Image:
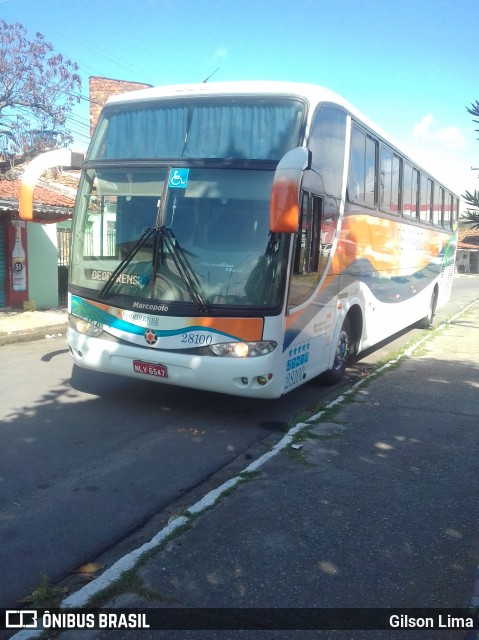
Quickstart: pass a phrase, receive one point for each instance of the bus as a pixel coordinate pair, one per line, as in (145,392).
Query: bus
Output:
(246,237)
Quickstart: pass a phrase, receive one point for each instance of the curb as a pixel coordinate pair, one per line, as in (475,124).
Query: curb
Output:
(38,333)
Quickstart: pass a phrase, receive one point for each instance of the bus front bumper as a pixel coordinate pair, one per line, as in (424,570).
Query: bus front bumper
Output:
(255,377)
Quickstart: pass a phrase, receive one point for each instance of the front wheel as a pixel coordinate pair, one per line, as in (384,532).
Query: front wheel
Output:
(342,356)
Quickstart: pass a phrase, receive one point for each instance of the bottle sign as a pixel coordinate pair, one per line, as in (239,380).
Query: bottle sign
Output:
(19,276)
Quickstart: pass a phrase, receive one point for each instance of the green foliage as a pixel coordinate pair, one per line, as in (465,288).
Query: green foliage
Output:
(472,215)
(474,111)
(472,199)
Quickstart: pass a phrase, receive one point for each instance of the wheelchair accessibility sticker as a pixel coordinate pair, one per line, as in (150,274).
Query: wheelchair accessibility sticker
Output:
(178,178)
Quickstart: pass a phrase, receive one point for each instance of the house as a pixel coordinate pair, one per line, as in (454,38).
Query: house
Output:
(28,251)
(467,258)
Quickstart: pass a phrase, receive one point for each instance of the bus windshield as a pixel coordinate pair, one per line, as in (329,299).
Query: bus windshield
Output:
(201,239)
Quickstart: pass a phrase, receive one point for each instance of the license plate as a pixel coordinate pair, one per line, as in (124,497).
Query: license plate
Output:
(150,369)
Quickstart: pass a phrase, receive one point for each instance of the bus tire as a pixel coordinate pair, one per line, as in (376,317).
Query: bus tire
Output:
(344,348)
(426,322)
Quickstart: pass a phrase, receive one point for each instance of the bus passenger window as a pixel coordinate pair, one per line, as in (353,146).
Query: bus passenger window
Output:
(448,220)
(396,184)
(386,179)
(410,190)
(426,199)
(362,169)
(389,185)
(438,205)
(455,212)
(327,142)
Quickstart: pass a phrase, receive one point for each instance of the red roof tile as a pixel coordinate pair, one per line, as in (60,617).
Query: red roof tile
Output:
(42,196)
(468,239)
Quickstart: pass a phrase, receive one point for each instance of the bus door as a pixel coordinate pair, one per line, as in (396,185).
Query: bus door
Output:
(311,250)
(308,239)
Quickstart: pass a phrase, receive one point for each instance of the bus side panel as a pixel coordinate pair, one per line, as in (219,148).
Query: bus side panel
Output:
(387,268)
(396,266)
(448,266)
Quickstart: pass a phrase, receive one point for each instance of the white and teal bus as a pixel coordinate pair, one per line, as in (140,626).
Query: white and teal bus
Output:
(246,237)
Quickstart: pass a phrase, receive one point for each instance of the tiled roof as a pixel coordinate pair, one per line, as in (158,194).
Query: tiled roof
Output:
(468,239)
(46,198)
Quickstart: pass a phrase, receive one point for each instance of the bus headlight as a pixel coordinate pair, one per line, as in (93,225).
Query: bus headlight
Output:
(243,349)
(83,326)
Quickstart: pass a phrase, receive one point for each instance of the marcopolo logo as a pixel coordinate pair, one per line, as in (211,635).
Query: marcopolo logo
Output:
(149,307)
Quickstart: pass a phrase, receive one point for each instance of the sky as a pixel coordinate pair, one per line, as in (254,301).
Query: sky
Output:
(409,65)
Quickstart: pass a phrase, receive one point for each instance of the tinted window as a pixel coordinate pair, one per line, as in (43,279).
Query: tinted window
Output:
(410,190)
(362,171)
(389,184)
(327,146)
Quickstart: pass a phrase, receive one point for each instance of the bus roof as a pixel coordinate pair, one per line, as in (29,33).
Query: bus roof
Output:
(312,93)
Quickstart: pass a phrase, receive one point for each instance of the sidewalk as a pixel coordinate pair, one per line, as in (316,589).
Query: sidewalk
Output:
(371,503)
(21,326)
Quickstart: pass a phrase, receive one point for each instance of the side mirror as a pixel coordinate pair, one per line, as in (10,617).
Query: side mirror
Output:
(59,158)
(284,207)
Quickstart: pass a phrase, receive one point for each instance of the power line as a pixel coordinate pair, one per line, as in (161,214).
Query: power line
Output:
(119,62)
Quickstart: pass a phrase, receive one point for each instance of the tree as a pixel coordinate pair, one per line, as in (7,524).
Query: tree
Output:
(38,89)
(472,215)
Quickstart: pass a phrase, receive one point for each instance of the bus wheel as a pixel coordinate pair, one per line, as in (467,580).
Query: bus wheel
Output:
(426,322)
(341,359)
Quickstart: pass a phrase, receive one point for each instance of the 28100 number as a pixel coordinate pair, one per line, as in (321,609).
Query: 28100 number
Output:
(199,339)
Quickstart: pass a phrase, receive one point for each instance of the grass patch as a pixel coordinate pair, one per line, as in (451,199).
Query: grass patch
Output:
(45,595)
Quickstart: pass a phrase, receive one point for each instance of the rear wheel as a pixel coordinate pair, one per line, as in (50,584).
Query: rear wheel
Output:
(341,359)
(426,322)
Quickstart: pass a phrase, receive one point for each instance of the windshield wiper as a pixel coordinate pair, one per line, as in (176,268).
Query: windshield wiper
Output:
(139,244)
(184,268)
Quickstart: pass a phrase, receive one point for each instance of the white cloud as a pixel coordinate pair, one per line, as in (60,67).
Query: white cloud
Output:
(448,137)
(220,53)
(446,152)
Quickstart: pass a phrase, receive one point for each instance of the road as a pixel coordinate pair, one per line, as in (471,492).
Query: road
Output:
(88,460)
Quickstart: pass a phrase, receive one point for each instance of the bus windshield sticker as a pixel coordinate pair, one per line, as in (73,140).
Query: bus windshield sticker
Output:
(178,178)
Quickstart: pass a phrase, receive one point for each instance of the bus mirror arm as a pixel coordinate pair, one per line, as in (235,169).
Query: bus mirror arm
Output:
(285,193)
(65,158)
